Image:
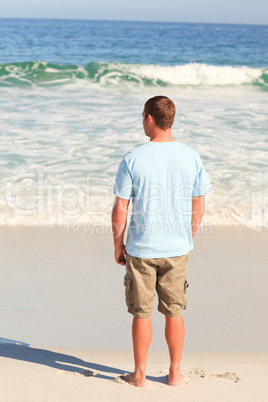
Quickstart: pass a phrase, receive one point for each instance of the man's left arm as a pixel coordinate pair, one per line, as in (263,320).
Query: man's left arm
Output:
(119,222)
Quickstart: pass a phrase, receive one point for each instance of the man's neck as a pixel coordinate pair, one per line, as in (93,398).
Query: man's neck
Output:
(161,136)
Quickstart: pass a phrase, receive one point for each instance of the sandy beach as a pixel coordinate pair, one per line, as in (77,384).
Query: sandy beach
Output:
(66,334)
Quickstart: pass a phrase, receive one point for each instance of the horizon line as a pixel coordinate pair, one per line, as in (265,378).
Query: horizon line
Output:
(140,21)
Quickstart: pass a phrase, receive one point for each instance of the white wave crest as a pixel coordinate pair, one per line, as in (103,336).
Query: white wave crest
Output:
(192,74)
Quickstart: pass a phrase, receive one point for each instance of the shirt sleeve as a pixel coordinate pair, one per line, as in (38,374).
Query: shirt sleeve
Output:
(123,181)
(202,184)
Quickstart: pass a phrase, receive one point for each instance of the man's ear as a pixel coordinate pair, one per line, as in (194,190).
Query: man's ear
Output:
(150,119)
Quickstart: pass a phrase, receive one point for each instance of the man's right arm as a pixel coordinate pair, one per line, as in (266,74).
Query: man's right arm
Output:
(119,222)
(198,206)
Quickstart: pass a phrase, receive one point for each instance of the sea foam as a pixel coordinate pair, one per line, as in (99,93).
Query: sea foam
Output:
(119,74)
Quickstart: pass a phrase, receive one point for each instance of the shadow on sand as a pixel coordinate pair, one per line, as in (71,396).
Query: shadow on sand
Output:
(22,351)
(12,349)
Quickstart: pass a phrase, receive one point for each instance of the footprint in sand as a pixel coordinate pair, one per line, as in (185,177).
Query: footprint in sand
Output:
(232,377)
(227,376)
(88,373)
(85,373)
(118,380)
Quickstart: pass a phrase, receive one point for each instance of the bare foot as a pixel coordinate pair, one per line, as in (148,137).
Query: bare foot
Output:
(134,379)
(175,378)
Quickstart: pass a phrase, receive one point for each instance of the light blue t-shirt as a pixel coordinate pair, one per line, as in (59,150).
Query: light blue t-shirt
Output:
(161,178)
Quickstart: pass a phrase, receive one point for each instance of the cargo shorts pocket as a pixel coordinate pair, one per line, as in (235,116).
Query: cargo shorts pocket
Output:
(184,298)
(128,291)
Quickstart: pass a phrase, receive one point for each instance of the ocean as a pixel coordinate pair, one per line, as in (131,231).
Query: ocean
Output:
(71,99)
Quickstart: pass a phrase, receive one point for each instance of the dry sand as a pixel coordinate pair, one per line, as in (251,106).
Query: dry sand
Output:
(62,311)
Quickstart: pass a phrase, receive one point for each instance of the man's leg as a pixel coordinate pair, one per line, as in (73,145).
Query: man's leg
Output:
(175,332)
(142,337)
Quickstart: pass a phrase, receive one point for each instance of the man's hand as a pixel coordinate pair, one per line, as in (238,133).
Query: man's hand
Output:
(120,255)
(119,221)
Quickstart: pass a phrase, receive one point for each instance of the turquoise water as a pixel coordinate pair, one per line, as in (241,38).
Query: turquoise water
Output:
(71,97)
(43,74)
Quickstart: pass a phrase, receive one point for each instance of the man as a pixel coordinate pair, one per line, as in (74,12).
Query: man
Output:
(166,181)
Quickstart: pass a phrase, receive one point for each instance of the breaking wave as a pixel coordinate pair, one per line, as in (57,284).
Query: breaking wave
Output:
(38,73)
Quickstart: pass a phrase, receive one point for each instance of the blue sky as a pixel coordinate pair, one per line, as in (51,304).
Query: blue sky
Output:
(221,11)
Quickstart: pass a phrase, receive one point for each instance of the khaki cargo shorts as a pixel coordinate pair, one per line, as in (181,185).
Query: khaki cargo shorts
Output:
(165,275)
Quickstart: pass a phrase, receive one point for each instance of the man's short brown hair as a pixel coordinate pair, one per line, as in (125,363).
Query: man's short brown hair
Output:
(162,109)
